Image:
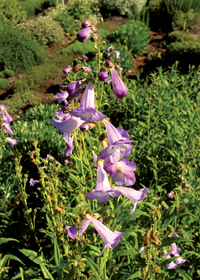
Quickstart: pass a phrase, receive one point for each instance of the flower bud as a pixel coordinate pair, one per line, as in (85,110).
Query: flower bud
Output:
(103,75)
(109,64)
(76,68)
(66,70)
(109,48)
(94,37)
(86,23)
(182,178)
(84,127)
(102,137)
(84,34)
(94,28)
(85,57)
(87,69)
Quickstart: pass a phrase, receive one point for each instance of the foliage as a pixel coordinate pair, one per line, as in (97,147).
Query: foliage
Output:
(87,47)
(69,25)
(30,6)
(43,29)
(184,47)
(83,9)
(48,3)
(20,52)
(7,73)
(3,83)
(133,34)
(182,5)
(124,8)
(11,11)
(183,20)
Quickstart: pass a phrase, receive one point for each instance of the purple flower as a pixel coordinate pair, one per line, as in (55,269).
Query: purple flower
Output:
(108,55)
(87,111)
(12,141)
(170,195)
(67,126)
(174,251)
(94,37)
(103,75)
(74,89)
(66,70)
(175,234)
(133,195)
(62,96)
(125,174)
(32,182)
(95,159)
(73,232)
(84,34)
(87,69)
(119,88)
(62,116)
(70,146)
(86,23)
(84,127)
(102,191)
(109,48)
(119,143)
(110,239)
(85,57)
(6,117)
(120,68)
(182,178)
(117,54)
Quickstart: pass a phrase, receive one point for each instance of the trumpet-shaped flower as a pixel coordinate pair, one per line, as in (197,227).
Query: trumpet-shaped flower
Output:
(103,75)
(125,174)
(73,232)
(68,126)
(74,89)
(119,143)
(12,142)
(86,23)
(87,111)
(174,251)
(84,34)
(32,182)
(110,239)
(117,54)
(119,88)
(62,96)
(70,146)
(102,190)
(133,195)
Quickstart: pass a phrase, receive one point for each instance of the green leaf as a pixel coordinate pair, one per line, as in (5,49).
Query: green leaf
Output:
(137,274)
(32,255)
(46,273)
(94,267)
(169,240)
(57,253)
(184,274)
(4,240)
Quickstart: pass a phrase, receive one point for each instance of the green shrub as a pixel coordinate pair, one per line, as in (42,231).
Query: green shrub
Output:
(126,59)
(3,83)
(20,52)
(86,47)
(30,6)
(48,3)
(123,7)
(180,18)
(69,24)
(133,34)
(12,11)
(185,49)
(7,73)
(83,9)
(183,5)
(43,29)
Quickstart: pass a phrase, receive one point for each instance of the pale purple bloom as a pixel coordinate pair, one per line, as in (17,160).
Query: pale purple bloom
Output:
(86,23)
(62,116)
(6,117)
(70,146)
(119,88)
(117,54)
(95,159)
(174,251)
(87,111)
(85,57)
(66,70)
(62,96)
(73,232)
(170,195)
(108,55)
(67,126)
(8,128)
(120,68)
(109,48)
(84,127)
(142,250)
(119,143)
(175,234)
(74,89)
(94,37)
(32,182)
(87,69)
(13,142)
(103,75)
(110,239)
(102,191)
(133,195)
(125,174)
(84,34)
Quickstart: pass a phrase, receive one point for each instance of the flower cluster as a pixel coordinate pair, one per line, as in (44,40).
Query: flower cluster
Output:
(7,119)
(175,252)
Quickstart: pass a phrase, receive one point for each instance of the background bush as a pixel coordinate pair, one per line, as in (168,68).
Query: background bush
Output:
(12,11)
(69,25)
(30,6)
(20,52)
(7,73)
(123,7)
(133,34)
(3,83)
(188,19)
(48,3)
(43,29)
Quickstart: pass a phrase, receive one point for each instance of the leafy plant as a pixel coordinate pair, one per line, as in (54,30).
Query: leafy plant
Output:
(3,83)
(69,24)
(7,73)
(30,6)
(48,3)
(183,5)
(185,20)
(20,52)
(11,11)
(43,29)
(133,34)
